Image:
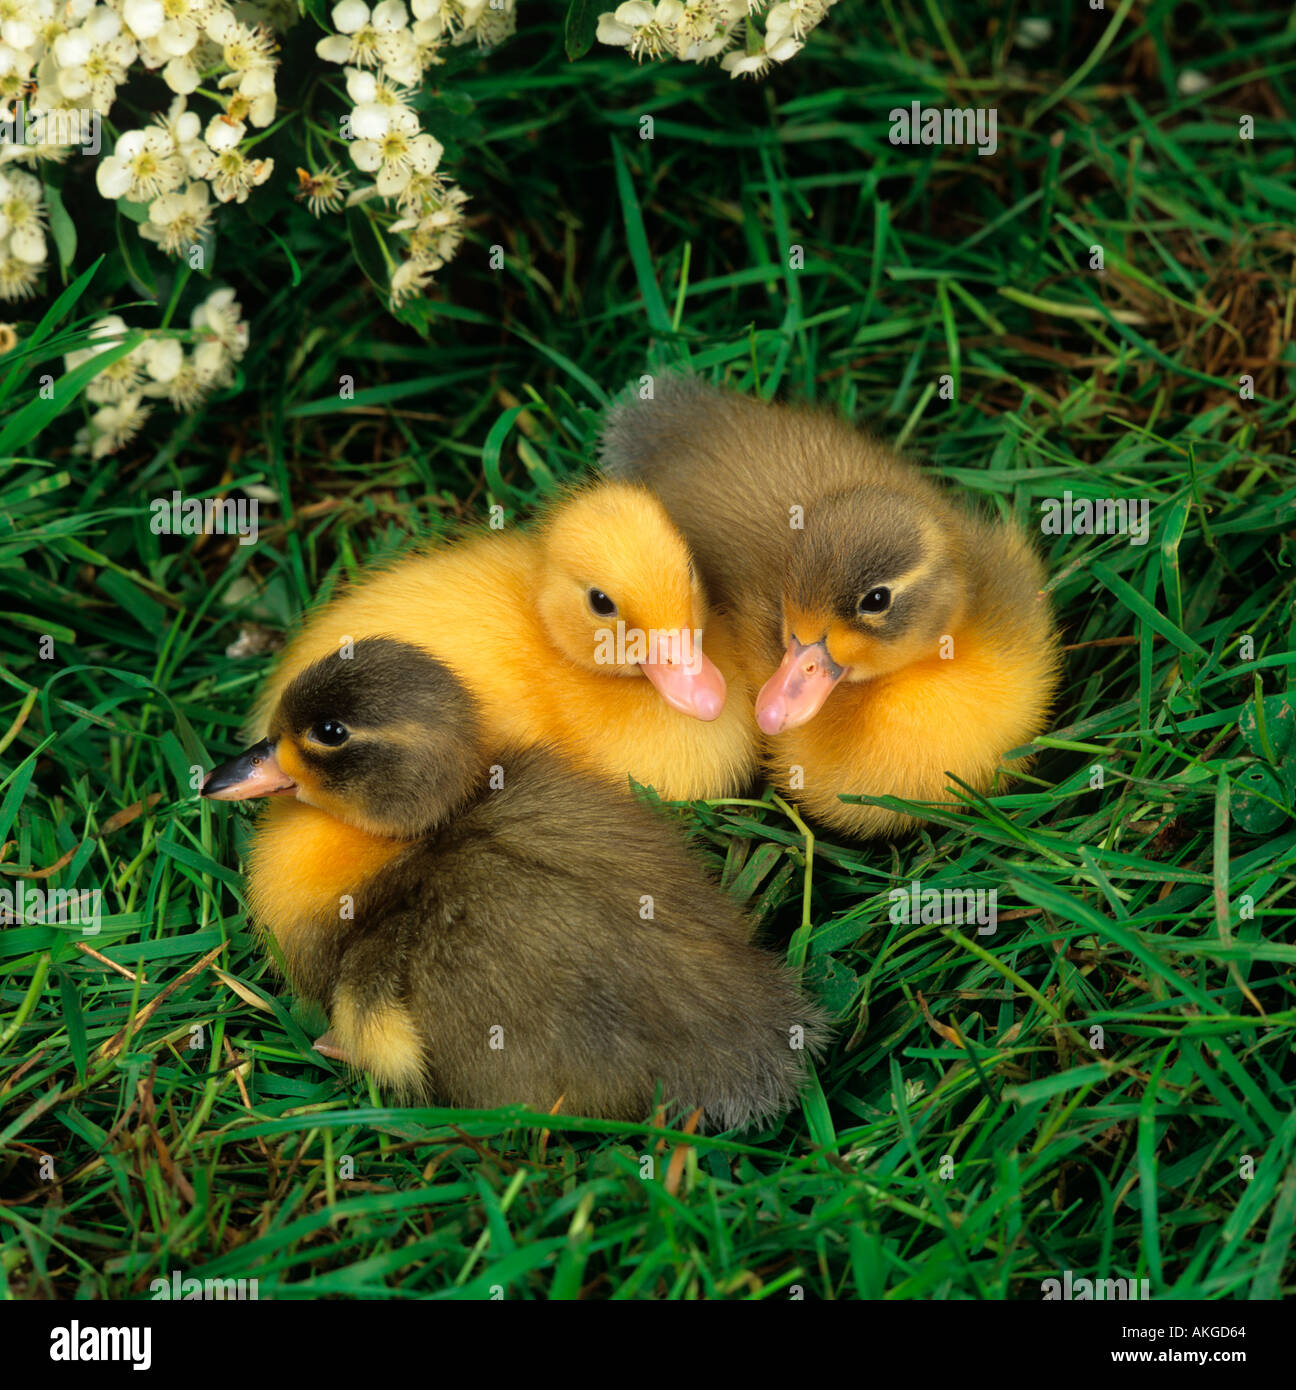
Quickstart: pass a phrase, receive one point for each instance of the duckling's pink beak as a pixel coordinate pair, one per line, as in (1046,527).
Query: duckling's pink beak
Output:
(795,693)
(694,686)
(254,773)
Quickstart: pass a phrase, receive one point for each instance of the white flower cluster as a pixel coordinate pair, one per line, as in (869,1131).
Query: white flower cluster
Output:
(62,63)
(695,30)
(158,367)
(171,164)
(22,233)
(65,60)
(62,55)
(384,56)
(385,37)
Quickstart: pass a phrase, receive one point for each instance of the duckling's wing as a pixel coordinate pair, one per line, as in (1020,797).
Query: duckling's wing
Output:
(619,961)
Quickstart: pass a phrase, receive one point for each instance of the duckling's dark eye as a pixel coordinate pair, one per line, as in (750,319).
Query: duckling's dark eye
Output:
(601,604)
(875,601)
(330,733)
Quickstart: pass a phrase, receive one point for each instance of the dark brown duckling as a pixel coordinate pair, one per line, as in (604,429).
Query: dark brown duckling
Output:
(910,636)
(523,933)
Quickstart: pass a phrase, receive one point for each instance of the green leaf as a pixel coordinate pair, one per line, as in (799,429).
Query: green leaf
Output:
(580,28)
(1288,773)
(1252,798)
(62,229)
(14,796)
(75,1021)
(54,315)
(833,981)
(1143,609)
(136,212)
(25,424)
(491,451)
(136,262)
(194,859)
(637,244)
(148,613)
(418,314)
(1278,193)
(1056,1085)
(367,244)
(1276,726)
(764,859)
(814,1104)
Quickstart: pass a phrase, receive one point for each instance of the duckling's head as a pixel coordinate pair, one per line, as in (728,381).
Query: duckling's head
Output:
(385,739)
(619,595)
(875,579)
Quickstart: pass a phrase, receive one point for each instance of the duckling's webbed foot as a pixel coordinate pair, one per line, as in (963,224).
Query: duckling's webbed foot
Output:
(328,1044)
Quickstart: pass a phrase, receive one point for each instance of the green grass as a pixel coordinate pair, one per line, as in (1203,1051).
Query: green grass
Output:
(965,1138)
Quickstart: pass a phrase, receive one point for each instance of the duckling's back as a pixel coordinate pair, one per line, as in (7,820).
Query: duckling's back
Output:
(556,940)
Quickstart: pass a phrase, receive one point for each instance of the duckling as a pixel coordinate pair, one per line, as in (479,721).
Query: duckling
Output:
(537,938)
(585,632)
(856,574)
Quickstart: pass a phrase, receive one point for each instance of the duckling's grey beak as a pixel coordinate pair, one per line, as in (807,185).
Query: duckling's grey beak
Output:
(254,773)
(795,692)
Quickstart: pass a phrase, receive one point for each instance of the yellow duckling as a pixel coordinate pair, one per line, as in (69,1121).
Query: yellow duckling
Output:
(584,632)
(537,939)
(924,623)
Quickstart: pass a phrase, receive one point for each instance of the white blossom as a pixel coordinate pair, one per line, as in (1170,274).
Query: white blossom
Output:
(368,40)
(90,61)
(223,133)
(118,379)
(144,18)
(378,104)
(697,30)
(113,425)
(740,64)
(231,173)
(161,358)
(177,221)
(219,317)
(647,30)
(22,217)
(324,191)
(18,278)
(408,279)
(1033,33)
(144,164)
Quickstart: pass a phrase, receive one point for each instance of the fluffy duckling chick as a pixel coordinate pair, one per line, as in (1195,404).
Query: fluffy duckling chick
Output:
(584,632)
(497,945)
(855,573)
